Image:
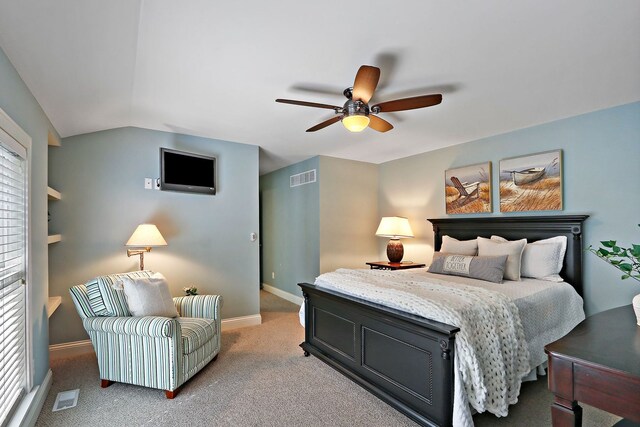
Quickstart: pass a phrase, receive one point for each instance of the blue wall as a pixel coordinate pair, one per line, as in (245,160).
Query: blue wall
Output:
(601,169)
(290,228)
(101,178)
(18,102)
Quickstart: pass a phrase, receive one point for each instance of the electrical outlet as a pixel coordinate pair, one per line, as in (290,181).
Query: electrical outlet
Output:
(273,275)
(148,184)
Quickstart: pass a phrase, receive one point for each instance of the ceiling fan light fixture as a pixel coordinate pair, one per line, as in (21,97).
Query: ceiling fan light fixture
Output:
(355,122)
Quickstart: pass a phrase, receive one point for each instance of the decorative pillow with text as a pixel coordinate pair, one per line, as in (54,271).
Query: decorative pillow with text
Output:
(488,268)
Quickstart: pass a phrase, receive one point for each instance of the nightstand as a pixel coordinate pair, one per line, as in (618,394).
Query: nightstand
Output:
(597,363)
(385,265)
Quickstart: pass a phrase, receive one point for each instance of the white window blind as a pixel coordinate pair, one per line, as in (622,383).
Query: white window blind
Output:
(13,215)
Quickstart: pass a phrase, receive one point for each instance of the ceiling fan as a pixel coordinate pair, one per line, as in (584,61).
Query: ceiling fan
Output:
(355,114)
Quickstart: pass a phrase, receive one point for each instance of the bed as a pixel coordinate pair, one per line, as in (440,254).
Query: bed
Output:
(405,359)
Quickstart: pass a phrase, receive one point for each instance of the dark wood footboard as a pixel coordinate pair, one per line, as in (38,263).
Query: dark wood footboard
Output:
(405,360)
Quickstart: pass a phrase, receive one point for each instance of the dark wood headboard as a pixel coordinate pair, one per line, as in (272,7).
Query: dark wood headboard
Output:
(530,227)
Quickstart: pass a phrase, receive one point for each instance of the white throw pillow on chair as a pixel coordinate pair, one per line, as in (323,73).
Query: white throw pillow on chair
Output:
(149,296)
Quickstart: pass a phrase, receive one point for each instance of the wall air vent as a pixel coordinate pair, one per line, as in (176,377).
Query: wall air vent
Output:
(302,178)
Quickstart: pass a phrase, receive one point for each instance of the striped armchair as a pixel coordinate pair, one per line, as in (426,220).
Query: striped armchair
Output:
(150,351)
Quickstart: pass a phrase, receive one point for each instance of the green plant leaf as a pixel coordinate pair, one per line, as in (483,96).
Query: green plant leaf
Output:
(627,260)
(626,267)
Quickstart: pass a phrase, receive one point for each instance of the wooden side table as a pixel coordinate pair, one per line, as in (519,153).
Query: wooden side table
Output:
(385,265)
(597,363)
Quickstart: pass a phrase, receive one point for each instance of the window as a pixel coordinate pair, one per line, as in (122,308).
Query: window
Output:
(13,239)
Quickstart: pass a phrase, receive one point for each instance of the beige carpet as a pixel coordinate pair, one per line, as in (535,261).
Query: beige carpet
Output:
(259,379)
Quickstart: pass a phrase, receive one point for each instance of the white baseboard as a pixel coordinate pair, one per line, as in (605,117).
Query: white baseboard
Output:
(241,322)
(70,349)
(77,348)
(282,294)
(27,413)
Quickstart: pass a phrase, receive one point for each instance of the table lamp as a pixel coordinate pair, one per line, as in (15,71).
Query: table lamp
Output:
(145,236)
(394,227)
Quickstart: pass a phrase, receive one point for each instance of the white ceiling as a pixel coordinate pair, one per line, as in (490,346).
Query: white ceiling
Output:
(214,68)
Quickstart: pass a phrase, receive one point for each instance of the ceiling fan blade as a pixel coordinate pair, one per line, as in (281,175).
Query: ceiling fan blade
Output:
(365,83)
(307,104)
(324,124)
(317,88)
(409,103)
(381,125)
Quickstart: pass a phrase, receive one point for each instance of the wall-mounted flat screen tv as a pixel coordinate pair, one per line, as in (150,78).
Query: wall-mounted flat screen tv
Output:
(189,172)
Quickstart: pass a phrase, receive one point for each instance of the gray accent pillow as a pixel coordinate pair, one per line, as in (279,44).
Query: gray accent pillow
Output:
(513,249)
(451,245)
(489,268)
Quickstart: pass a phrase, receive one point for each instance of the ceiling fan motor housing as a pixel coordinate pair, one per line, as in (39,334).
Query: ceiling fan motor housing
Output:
(355,108)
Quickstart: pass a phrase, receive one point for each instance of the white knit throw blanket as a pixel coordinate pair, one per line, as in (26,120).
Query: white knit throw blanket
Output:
(491,352)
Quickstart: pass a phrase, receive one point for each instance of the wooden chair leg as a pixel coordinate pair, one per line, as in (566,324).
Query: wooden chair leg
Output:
(171,394)
(105,383)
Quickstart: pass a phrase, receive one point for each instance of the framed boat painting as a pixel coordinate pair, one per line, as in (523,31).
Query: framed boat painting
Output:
(531,183)
(468,189)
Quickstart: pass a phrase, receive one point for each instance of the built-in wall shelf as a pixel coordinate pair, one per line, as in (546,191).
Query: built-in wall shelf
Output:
(53,194)
(53,238)
(52,304)
(53,140)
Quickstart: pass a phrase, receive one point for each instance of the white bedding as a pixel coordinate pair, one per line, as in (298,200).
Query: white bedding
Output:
(544,312)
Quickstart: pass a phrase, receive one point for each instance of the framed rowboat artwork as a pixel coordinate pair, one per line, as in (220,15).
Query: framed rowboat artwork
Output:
(468,189)
(531,183)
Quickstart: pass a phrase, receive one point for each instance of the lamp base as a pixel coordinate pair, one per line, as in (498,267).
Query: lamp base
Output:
(395,250)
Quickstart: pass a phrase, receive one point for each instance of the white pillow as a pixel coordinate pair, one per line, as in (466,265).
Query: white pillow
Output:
(542,259)
(459,247)
(514,249)
(149,296)
(561,242)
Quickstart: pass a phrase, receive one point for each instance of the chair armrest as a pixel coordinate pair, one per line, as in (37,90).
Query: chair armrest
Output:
(202,306)
(148,326)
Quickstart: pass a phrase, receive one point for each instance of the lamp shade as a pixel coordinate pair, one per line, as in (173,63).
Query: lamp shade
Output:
(146,235)
(394,227)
